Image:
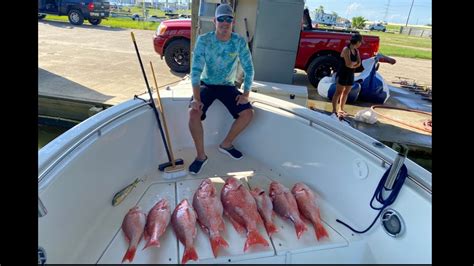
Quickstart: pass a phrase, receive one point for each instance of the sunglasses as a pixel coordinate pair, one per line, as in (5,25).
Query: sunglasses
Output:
(227,19)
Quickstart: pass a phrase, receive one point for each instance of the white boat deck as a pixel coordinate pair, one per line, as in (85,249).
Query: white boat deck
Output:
(251,172)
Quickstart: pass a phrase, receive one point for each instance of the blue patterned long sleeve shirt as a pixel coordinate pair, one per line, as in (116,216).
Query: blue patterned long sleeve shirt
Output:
(215,62)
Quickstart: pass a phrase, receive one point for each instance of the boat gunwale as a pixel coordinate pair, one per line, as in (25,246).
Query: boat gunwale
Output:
(291,108)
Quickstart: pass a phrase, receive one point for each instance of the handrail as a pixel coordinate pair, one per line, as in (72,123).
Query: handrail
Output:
(417,181)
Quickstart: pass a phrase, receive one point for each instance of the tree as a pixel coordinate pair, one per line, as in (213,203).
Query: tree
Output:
(358,22)
(335,14)
(320,9)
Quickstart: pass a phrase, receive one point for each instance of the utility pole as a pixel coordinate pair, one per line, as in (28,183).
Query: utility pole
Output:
(386,11)
(406,24)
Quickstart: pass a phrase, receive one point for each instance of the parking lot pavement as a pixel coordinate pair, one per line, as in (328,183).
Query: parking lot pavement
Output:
(96,63)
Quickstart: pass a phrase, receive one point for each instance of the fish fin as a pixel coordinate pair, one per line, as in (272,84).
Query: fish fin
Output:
(271,228)
(130,254)
(254,238)
(320,230)
(239,228)
(203,227)
(300,228)
(216,242)
(152,243)
(189,254)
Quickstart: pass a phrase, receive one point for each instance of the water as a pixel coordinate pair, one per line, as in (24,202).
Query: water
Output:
(47,133)
(420,155)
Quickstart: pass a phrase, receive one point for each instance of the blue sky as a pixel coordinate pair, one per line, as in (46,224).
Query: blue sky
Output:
(375,9)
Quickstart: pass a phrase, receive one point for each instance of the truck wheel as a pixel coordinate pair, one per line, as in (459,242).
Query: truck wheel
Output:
(177,56)
(41,16)
(75,17)
(95,21)
(321,67)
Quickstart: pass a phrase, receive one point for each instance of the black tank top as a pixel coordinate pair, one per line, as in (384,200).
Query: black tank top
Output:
(353,58)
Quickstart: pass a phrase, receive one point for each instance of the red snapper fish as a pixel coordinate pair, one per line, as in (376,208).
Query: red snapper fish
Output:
(157,220)
(183,220)
(265,208)
(209,211)
(241,208)
(133,226)
(285,205)
(309,208)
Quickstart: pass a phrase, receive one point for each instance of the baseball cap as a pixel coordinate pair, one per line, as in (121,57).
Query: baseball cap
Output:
(224,10)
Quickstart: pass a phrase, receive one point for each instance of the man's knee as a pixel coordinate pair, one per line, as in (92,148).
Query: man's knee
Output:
(247,114)
(195,114)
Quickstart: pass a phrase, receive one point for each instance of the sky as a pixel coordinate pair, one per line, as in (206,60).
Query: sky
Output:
(374,10)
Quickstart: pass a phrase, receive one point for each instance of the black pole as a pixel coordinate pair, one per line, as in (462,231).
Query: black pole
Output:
(152,103)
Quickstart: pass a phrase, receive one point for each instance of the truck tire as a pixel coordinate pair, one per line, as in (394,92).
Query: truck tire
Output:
(177,56)
(95,21)
(41,16)
(321,67)
(75,17)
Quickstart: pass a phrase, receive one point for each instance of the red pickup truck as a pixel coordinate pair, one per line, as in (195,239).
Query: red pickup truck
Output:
(318,49)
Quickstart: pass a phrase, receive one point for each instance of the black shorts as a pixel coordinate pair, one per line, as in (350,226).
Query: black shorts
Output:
(224,93)
(345,78)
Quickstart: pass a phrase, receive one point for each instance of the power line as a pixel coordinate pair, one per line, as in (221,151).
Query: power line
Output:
(386,11)
(406,24)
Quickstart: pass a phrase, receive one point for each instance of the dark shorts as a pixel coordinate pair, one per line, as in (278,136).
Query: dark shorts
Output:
(225,94)
(345,78)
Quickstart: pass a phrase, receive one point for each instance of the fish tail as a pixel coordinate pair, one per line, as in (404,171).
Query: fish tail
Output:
(254,238)
(216,242)
(130,254)
(300,228)
(189,254)
(320,230)
(152,243)
(271,228)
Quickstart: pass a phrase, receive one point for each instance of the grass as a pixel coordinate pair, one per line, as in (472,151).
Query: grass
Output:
(401,39)
(123,22)
(390,50)
(396,27)
(394,44)
(151,11)
(114,22)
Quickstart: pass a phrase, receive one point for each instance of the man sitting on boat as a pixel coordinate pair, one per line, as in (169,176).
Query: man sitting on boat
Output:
(213,72)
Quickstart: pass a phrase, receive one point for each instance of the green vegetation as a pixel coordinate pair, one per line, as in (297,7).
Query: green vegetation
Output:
(396,27)
(358,22)
(114,22)
(126,22)
(394,44)
(404,52)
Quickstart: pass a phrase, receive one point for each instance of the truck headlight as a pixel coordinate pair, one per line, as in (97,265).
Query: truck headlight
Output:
(161,29)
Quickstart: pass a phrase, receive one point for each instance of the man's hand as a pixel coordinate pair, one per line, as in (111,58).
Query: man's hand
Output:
(197,105)
(243,98)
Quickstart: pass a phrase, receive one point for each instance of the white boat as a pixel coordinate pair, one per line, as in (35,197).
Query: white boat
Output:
(81,170)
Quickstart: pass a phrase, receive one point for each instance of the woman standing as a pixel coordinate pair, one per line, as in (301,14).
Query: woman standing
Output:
(350,60)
